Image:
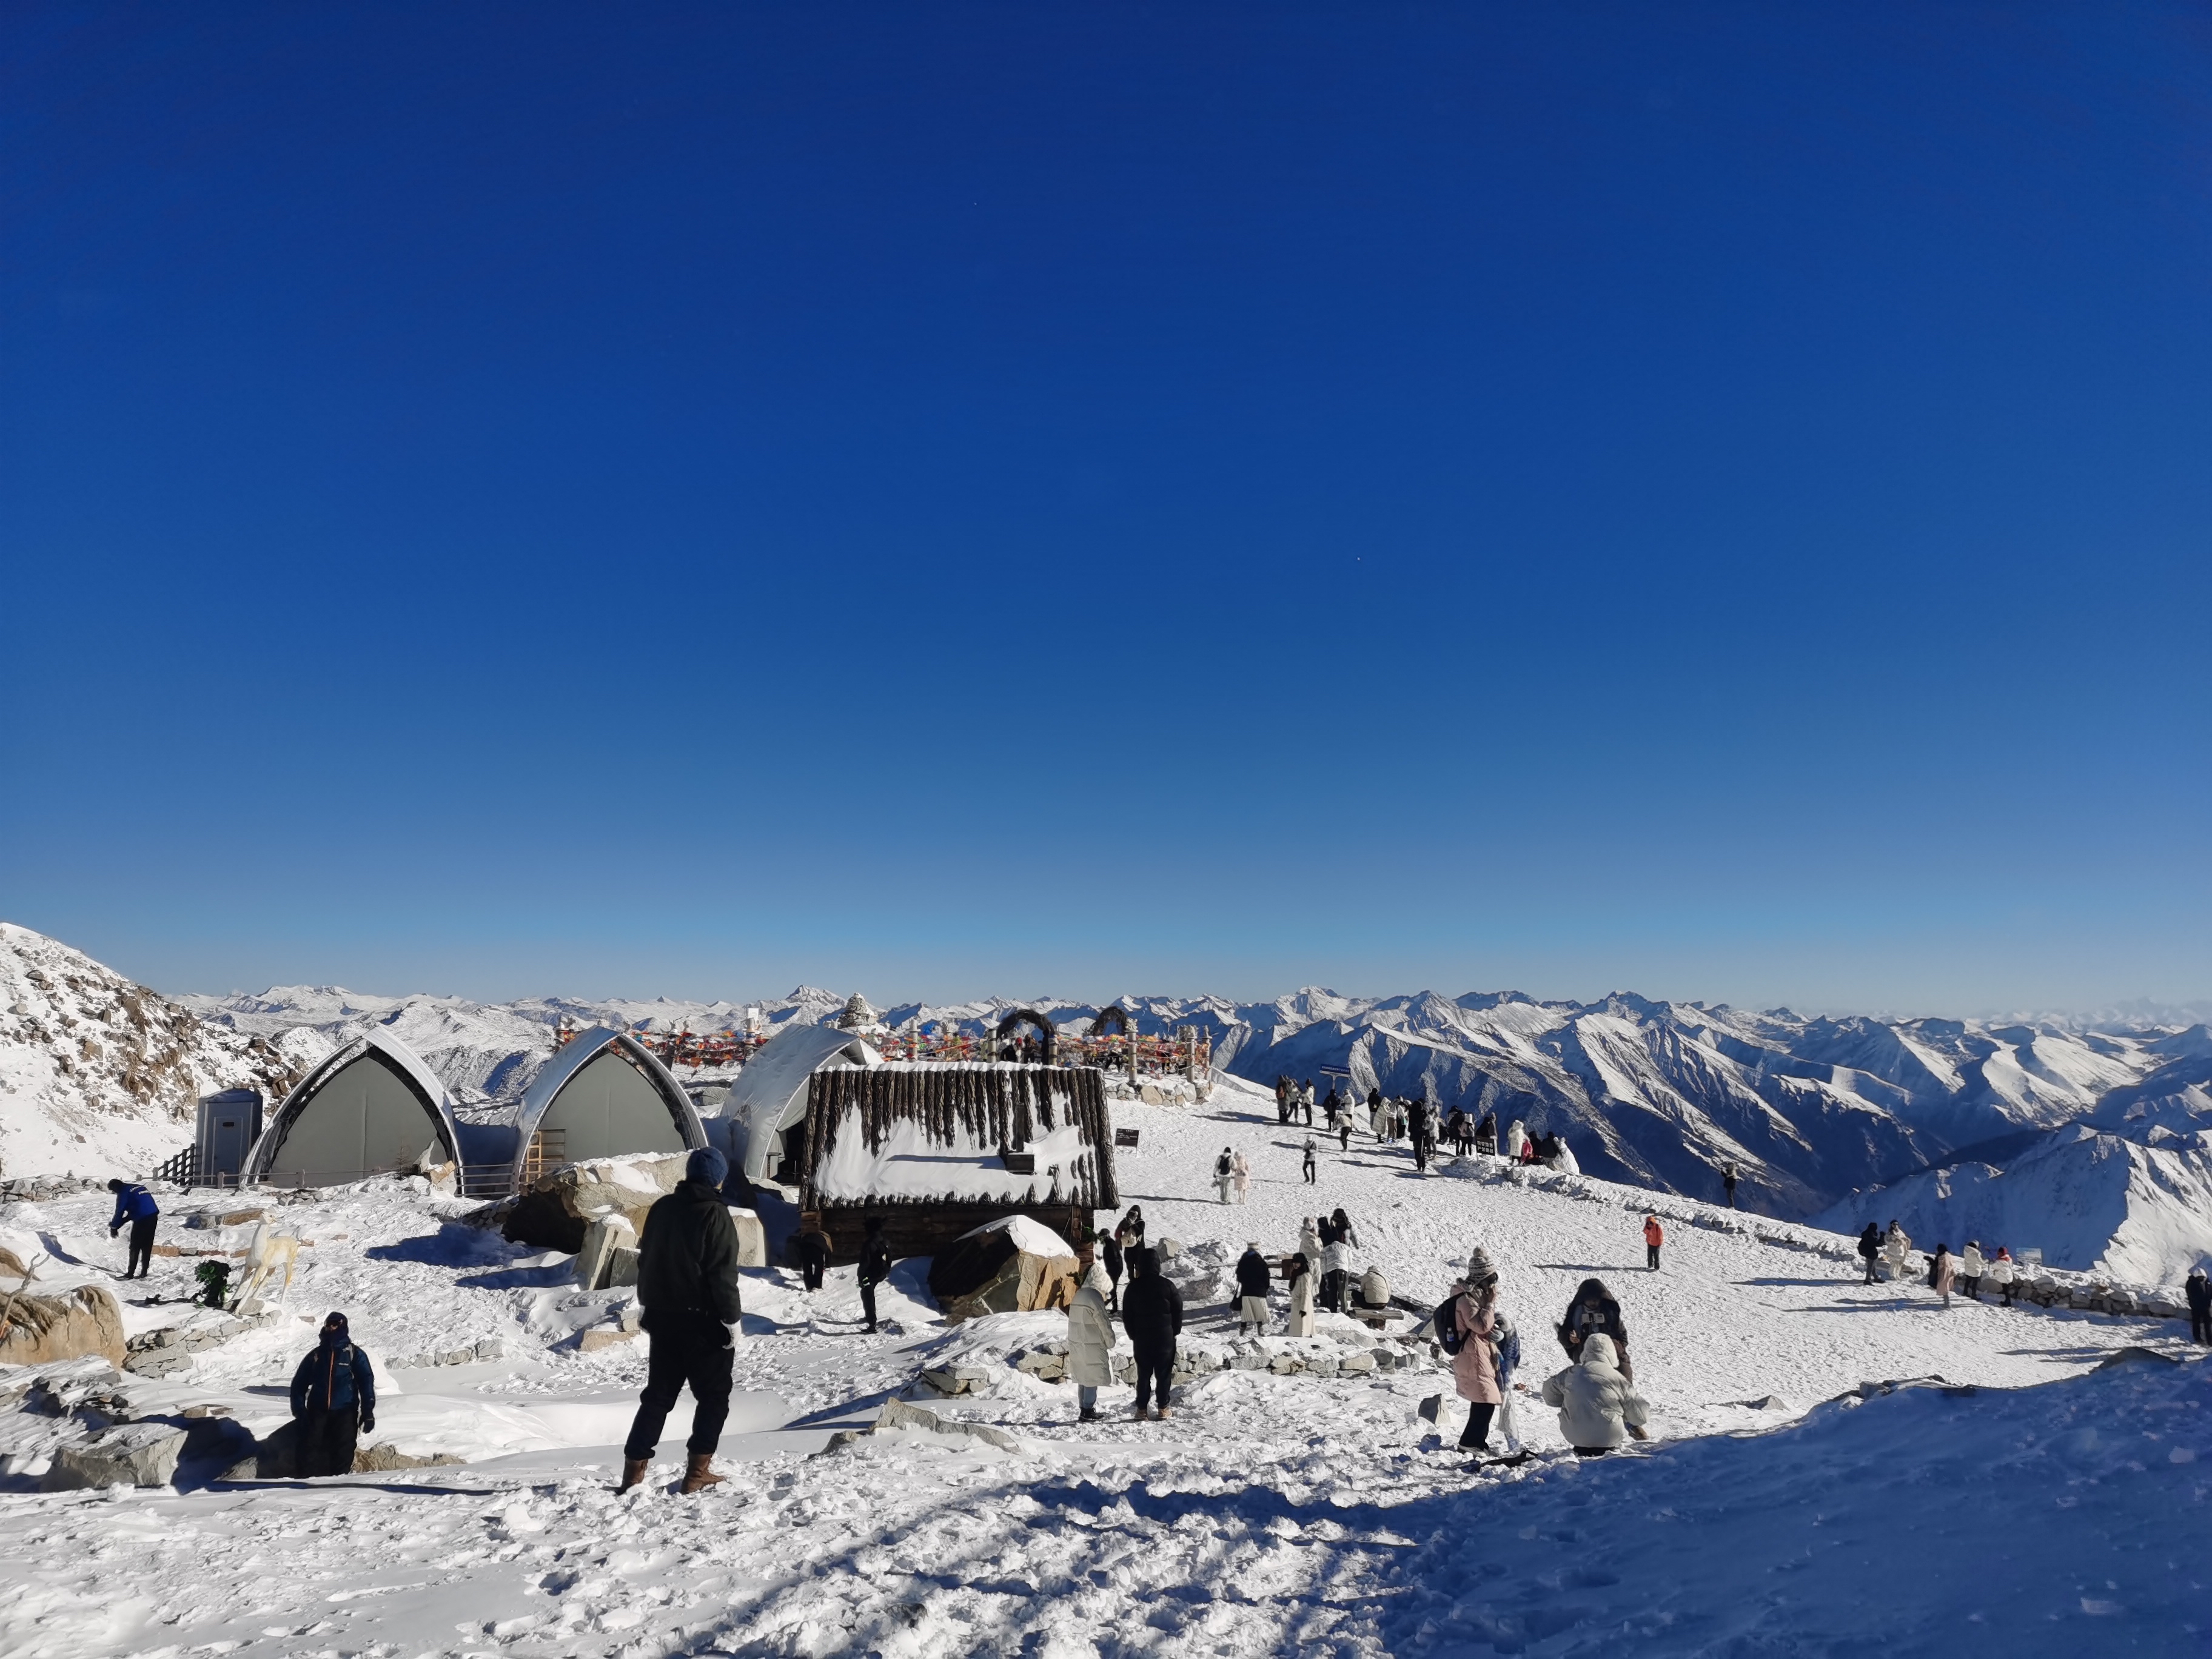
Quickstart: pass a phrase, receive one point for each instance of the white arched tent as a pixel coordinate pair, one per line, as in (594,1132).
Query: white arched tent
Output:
(769,1096)
(371,1108)
(603,1096)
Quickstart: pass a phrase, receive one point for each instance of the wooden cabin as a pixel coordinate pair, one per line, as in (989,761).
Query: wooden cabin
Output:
(935,1150)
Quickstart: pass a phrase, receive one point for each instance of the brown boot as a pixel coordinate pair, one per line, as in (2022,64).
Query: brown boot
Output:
(700,1473)
(634,1470)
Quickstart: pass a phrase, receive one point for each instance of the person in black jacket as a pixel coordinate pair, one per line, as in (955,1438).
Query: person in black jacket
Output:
(1153,1317)
(1110,1251)
(1870,1249)
(812,1249)
(2199,1291)
(875,1268)
(333,1401)
(1594,1310)
(1255,1278)
(687,1283)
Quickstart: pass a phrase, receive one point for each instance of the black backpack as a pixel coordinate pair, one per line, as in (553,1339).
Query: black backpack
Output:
(1445,1323)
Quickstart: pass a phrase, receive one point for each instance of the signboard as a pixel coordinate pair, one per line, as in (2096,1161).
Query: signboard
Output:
(1125,1137)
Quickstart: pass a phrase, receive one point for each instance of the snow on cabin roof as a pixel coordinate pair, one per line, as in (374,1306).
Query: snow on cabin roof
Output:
(925,1133)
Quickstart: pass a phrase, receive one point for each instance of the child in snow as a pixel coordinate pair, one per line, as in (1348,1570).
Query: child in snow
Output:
(1599,1409)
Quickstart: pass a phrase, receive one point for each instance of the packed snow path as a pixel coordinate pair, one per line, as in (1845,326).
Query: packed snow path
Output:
(1273,1513)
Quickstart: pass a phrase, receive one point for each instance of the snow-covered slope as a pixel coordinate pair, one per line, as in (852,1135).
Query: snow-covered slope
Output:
(2036,1506)
(101,1077)
(2088,1200)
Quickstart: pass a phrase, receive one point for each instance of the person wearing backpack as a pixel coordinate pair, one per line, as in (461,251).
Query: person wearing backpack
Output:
(1224,1174)
(333,1401)
(1594,1309)
(1870,1250)
(1474,1318)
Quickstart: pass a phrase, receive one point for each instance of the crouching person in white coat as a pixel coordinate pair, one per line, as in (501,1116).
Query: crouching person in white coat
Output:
(1599,1410)
(1090,1343)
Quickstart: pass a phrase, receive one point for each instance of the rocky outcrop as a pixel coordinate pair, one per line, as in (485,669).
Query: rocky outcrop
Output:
(42,1329)
(553,1214)
(132,1454)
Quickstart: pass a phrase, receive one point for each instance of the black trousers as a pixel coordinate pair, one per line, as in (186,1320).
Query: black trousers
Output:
(1310,1170)
(2200,1327)
(1870,1262)
(811,1273)
(1475,1436)
(326,1442)
(868,1301)
(1154,1362)
(142,1245)
(687,1348)
(1651,1260)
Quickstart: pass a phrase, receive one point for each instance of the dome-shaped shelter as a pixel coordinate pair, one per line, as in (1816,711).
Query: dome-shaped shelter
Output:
(767,1105)
(603,1095)
(371,1108)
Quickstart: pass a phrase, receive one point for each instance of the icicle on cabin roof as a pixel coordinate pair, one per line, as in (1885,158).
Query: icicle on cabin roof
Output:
(934,1134)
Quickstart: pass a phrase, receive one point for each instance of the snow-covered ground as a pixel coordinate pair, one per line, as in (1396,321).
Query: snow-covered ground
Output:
(2028,1506)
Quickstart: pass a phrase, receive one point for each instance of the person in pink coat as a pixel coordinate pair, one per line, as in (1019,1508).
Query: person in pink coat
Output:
(1944,1273)
(1474,1367)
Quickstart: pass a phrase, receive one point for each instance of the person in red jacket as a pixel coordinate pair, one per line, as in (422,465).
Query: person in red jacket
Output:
(1653,1238)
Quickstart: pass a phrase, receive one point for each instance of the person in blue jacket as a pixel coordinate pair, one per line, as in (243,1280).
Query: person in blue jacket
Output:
(333,1401)
(135,1205)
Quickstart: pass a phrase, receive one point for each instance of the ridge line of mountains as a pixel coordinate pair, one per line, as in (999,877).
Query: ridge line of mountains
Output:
(2092,1141)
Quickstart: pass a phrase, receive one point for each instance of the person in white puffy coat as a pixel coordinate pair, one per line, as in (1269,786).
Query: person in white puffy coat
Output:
(1090,1343)
(1335,1275)
(1515,1137)
(1599,1409)
(1240,1171)
(1999,1274)
(1971,1269)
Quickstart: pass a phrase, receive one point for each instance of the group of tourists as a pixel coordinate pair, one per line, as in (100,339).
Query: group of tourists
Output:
(1887,1252)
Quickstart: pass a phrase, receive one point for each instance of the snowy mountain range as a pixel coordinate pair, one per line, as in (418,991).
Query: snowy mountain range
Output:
(1817,1113)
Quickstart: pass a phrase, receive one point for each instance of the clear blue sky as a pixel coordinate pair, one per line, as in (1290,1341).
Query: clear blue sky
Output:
(1079,498)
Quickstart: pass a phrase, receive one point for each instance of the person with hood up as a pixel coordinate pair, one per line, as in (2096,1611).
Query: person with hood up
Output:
(1302,1295)
(1599,1408)
(1340,1224)
(1255,1278)
(1154,1318)
(1971,1267)
(1309,1245)
(1090,1344)
(811,1247)
(1895,1243)
(1240,1170)
(1943,1272)
(687,1285)
(135,1205)
(1224,1174)
(333,1401)
(1516,1136)
(1870,1250)
(1654,1237)
(2198,1290)
(1474,1367)
(1998,1271)
(1308,1166)
(1595,1309)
